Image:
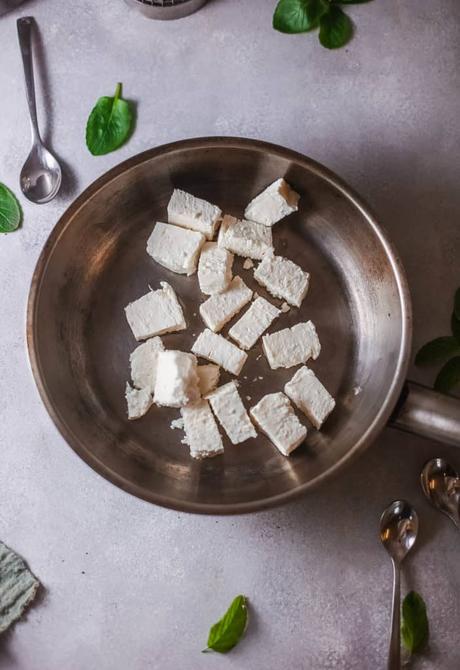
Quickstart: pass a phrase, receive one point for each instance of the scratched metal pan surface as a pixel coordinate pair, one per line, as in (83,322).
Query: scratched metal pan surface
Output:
(95,263)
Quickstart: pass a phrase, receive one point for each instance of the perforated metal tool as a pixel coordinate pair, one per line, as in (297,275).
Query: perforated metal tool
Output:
(166,9)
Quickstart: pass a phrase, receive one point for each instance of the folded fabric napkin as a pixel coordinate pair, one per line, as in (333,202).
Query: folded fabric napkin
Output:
(18,587)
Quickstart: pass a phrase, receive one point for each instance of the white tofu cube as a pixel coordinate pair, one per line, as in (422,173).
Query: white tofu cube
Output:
(221,307)
(254,322)
(277,201)
(177,382)
(291,346)
(194,213)
(202,434)
(276,418)
(143,361)
(214,269)
(306,391)
(156,313)
(217,349)
(231,413)
(175,248)
(139,401)
(283,279)
(209,377)
(245,238)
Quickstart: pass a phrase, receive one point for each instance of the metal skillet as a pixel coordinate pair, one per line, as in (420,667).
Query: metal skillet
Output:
(95,262)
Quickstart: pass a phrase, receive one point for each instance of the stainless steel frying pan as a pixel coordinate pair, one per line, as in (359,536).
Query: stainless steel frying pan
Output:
(94,263)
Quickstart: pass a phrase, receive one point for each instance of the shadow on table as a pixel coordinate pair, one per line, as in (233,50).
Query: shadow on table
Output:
(7,659)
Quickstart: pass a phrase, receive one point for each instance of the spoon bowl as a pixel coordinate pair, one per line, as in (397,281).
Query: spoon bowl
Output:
(41,175)
(441,485)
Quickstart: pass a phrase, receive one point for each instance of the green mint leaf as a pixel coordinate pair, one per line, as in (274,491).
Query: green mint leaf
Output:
(455,326)
(414,623)
(10,211)
(437,351)
(298,16)
(335,28)
(449,376)
(457,304)
(226,633)
(109,124)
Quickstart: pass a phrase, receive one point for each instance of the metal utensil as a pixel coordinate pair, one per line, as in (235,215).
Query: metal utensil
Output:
(166,10)
(441,485)
(41,174)
(95,263)
(398,532)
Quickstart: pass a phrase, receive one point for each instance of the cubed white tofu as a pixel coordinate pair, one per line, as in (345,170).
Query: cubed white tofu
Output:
(143,362)
(231,413)
(156,313)
(245,238)
(254,322)
(306,391)
(209,377)
(276,418)
(201,430)
(176,249)
(221,307)
(217,349)
(277,201)
(283,279)
(139,401)
(291,346)
(177,382)
(194,213)
(214,269)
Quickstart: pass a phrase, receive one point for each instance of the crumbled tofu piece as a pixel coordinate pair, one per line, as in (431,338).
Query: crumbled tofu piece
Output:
(248,264)
(201,432)
(217,349)
(214,269)
(231,413)
(247,330)
(276,418)
(291,346)
(277,201)
(139,402)
(283,279)
(285,307)
(177,424)
(177,382)
(306,391)
(356,390)
(245,238)
(221,307)
(209,377)
(156,313)
(194,213)
(143,361)
(175,248)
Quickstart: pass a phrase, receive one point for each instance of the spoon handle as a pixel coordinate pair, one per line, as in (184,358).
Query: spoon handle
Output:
(25,26)
(394,655)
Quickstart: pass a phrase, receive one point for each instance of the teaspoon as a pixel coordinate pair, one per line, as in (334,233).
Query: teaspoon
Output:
(441,485)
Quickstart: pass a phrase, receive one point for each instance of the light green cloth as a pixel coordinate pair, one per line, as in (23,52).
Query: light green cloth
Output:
(18,587)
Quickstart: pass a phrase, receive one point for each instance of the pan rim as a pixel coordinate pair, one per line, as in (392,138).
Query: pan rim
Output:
(219,142)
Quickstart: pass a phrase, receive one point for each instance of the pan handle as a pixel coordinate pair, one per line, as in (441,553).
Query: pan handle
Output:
(428,413)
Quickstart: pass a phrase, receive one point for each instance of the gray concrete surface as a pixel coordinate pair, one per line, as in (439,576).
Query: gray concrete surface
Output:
(129,585)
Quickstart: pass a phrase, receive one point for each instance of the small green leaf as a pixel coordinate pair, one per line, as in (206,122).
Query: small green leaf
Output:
(457,304)
(109,124)
(414,624)
(335,28)
(437,351)
(226,633)
(455,326)
(10,211)
(449,376)
(298,16)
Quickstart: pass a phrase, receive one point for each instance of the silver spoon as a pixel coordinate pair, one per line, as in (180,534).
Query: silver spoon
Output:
(398,532)
(41,174)
(441,485)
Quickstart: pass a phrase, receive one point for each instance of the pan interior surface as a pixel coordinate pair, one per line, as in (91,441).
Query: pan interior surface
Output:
(95,263)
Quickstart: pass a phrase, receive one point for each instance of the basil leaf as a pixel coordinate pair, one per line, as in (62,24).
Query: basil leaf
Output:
(10,211)
(437,351)
(298,16)
(449,376)
(335,28)
(226,633)
(457,304)
(455,327)
(414,624)
(109,124)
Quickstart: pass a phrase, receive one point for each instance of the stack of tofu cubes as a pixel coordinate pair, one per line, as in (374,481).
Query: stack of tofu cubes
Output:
(186,245)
